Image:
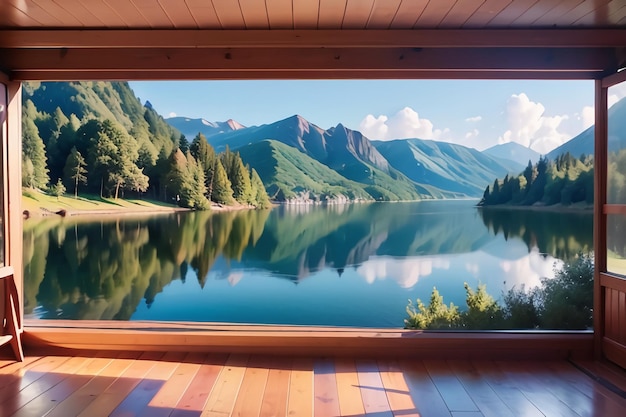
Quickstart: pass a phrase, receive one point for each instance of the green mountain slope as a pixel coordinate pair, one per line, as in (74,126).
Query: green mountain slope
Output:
(444,166)
(288,173)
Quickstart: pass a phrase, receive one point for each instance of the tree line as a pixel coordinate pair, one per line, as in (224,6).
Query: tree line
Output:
(145,158)
(566,180)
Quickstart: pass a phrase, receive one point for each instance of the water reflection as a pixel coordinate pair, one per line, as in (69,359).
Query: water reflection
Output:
(339,265)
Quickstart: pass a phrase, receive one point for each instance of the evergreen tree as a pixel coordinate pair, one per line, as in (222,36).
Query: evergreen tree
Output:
(58,189)
(183,144)
(75,170)
(239,179)
(33,155)
(222,190)
(115,154)
(528,174)
(261,199)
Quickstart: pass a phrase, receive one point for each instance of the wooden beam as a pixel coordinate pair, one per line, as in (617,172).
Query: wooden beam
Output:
(120,75)
(320,59)
(599,218)
(430,38)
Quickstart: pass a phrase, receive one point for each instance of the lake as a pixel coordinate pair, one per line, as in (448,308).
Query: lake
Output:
(340,265)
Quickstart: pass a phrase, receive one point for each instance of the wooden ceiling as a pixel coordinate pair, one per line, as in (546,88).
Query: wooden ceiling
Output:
(311,14)
(191,39)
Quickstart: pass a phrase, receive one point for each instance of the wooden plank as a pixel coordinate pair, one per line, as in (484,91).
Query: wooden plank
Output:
(372,389)
(511,13)
(34,12)
(276,392)
(425,396)
(250,395)
(331,13)
(390,59)
(621,337)
(65,17)
(348,388)
(152,11)
(280,14)
(81,13)
(485,13)
(129,14)
(382,14)
(300,401)
(101,380)
(434,13)
(68,379)
(196,395)
(325,398)
(108,15)
(488,402)
(254,14)
(204,14)
(179,14)
(450,388)
(579,12)
(224,394)
(460,13)
(507,390)
(534,12)
(229,14)
(207,38)
(408,14)
(119,389)
(357,14)
(138,399)
(167,398)
(549,18)
(305,14)
(396,389)
(35,381)
(524,376)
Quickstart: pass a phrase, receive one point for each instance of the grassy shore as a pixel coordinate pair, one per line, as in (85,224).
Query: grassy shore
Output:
(36,203)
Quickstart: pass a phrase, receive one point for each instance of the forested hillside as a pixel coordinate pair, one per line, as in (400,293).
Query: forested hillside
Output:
(566,180)
(98,138)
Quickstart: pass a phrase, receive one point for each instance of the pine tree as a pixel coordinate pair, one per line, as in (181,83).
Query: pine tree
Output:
(33,152)
(58,189)
(75,170)
(239,179)
(222,190)
(261,199)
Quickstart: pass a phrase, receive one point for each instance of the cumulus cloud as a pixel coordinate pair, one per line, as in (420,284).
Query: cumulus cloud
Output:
(587,115)
(474,119)
(471,134)
(528,126)
(405,124)
(172,114)
(616,93)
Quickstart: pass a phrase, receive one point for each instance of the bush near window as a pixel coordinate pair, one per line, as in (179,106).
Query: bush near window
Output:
(564,302)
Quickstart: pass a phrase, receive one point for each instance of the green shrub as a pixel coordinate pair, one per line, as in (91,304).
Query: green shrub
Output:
(563,302)
(436,316)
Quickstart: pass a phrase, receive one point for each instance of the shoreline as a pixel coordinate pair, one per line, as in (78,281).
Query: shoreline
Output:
(552,208)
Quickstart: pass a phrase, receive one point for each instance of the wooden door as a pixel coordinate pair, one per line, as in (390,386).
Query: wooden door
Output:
(610,305)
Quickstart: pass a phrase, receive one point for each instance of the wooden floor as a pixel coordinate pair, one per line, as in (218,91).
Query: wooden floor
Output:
(195,384)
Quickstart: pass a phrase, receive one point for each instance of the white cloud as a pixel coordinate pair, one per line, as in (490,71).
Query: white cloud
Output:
(587,115)
(474,119)
(172,114)
(404,124)
(528,126)
(616,93)
(471,134)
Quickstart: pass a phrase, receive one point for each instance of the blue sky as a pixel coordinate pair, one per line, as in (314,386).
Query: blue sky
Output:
(479,114)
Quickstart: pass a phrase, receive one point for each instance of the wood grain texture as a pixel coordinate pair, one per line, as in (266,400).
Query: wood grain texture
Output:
(190,385)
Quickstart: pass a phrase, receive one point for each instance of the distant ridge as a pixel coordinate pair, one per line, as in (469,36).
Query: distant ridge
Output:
(191,127)
(513,151)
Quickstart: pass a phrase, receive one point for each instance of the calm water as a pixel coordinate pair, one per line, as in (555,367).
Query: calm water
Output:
(352,265)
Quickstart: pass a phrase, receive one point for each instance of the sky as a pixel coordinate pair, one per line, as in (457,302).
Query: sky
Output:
(537,114)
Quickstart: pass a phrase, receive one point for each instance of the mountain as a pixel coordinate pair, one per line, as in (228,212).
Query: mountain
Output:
(513,151)
(584,142)
(347,152)
(291,174)
(446,166)
(191,127)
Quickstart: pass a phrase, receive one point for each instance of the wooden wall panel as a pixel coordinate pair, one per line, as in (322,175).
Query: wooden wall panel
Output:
(281,13)
(460,13)
(408,14)
(229,14)
(382,14)
(486,12)
(331,14)
(254,14)
(434,13)
(203,13)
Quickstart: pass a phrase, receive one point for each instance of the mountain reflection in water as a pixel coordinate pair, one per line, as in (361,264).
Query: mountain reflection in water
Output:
(347,265)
